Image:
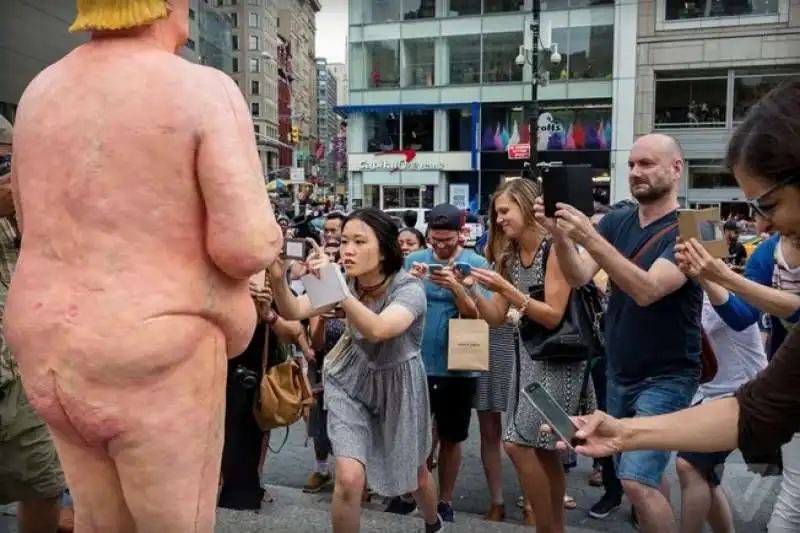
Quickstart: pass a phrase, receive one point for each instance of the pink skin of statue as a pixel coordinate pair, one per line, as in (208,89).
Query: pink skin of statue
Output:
(143,211)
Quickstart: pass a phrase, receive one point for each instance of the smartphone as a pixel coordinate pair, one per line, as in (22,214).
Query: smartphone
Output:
(568,184)
(555,416)
(435,268)
(465,269)
(295,249)
(336,312)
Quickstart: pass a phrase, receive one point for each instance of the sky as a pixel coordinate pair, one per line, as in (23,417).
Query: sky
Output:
(332,25)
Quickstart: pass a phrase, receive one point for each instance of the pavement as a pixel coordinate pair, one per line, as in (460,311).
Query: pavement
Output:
(751,497)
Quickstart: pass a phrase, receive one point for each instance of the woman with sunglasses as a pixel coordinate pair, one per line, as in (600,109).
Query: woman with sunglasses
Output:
(765,413)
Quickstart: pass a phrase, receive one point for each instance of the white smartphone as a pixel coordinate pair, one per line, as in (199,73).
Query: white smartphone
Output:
(555,416)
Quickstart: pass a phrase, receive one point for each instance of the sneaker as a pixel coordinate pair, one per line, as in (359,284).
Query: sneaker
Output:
(316,482)
(446,512)
(398,505)
(607,506)
(439,526)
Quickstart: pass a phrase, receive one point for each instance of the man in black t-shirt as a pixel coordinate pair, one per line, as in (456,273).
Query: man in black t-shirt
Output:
(737,255)
(652,335)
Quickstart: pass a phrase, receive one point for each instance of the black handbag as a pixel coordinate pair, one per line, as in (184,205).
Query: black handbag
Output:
(575,338)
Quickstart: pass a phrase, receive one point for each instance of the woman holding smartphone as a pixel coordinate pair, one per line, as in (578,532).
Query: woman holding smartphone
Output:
(375,385)
(518,246)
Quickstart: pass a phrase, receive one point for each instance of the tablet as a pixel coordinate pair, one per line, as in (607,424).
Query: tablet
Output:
(568,184)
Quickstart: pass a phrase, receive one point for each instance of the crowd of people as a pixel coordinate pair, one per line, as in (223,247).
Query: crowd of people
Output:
(131,374)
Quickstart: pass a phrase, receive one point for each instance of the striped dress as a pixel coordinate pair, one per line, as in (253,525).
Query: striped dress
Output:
(492,389)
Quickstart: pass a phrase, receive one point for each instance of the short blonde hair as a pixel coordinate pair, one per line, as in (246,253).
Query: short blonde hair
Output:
(110,15)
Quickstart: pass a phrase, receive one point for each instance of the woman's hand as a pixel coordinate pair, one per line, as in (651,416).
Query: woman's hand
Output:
(419,270)
(601,435)
(491,280)
(317,258)
(277,270)
(263,300)
(695,261)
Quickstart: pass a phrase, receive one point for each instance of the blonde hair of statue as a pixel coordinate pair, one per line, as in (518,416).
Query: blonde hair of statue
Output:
(110,15)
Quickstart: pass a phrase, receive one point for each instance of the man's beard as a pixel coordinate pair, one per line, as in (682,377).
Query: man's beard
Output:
(653,194)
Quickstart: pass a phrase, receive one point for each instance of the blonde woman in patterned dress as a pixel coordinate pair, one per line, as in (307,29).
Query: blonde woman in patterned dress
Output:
(517,247)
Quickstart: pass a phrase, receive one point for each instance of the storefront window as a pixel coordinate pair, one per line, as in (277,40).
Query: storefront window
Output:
(557,71)
(459,122)
(383,63)
(419,9)
(750,87)
(575,3)
(699,9)
(372,196)
(464,8)
(584,128)
(420,60)
(383,131)
(465,59)
(417,129)
(591,52)
(503,6)
(502,125)
(391,197)
(500,51)
(685,102)
(710,176)
(376,11)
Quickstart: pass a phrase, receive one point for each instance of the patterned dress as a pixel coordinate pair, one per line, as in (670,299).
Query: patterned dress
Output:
(491,394)
(522,422)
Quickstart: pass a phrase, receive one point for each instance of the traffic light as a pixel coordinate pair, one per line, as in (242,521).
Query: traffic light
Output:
(295,134)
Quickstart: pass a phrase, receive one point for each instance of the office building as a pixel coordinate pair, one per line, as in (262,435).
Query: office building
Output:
(339,72)
(215,37)
(285,79)
(254,43)
(441,78)
(701,65)
(328,121)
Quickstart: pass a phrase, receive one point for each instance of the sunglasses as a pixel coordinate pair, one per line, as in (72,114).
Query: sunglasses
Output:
(756,204)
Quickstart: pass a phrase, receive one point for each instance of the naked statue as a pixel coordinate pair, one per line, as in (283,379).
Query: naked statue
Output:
(143,213)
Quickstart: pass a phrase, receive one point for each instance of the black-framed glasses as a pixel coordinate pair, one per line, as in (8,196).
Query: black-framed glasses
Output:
(755,203)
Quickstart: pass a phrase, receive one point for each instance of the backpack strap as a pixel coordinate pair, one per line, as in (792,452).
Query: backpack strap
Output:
(652,241)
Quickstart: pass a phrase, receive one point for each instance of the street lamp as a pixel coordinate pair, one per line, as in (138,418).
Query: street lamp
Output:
(539,45)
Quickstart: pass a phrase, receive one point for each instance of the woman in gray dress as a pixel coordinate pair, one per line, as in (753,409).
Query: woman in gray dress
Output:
(518,252)
(376,391)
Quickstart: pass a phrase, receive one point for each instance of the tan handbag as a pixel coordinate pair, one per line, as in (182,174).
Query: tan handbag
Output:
(285,394)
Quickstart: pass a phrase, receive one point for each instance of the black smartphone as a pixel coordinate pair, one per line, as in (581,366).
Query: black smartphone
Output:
(568,184)
(295,249)
(555,416)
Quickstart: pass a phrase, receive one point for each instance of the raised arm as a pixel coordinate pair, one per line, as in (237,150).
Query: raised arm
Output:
(577,267)
(242,236)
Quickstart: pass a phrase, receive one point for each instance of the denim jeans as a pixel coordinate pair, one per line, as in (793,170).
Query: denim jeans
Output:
(611,482)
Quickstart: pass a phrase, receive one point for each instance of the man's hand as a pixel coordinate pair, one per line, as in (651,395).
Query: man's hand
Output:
(277,269)
(547,223)
(574,224)
(598,435)
(445,278)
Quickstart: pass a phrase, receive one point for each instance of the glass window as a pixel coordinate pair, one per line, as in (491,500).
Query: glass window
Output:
(372,196)
(254,41)
(383,63)
(503,6)
(235,64)
(591,52)
(252,20)
(417,129)
(376,11)
(391,197)
(749,88)
(253,2)
(190,44)
(419,9)
(383,131)
(574,128)
(691,102)
(562,4)
(420,59)
(465,59)
(255,87)
(502,125)
(255,109)
(464,8)
(459,125)
(234,19)
(683,10)
(500,52)
(254,64)
(235,42)
(711,177)
(557,71)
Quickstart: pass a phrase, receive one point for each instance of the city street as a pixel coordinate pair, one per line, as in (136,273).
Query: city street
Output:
(292,511)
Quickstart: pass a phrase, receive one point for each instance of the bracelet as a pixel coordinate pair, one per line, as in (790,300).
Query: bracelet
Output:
(523,307)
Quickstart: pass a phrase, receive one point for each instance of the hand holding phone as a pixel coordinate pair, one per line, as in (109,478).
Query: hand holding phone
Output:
(556,417)
(463,269)
(295,249)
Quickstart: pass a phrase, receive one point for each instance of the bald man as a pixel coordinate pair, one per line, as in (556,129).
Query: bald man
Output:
(653,329)
(143,215)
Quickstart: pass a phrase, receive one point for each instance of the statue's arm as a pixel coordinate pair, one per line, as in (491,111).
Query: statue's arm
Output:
(17,203)
(242,236)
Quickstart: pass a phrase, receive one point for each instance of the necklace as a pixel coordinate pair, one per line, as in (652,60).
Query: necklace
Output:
(373,288)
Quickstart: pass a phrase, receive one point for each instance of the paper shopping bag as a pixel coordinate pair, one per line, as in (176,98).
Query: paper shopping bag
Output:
(468,345)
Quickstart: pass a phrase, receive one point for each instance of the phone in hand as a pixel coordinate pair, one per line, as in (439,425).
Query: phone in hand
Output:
(555,416)
(434,268)
(465,269)
(568,184)
(336,312)
(295,249)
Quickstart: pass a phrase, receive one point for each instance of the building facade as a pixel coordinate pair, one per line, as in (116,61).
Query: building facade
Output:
(215,37)
(328,121)
(440,78)
(339,72)
(701,65)
(285,79)
(254,43)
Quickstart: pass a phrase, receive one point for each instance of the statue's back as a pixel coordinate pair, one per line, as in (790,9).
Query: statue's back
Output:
(114,261)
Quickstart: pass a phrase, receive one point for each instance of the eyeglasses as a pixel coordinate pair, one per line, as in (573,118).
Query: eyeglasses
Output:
(755,203)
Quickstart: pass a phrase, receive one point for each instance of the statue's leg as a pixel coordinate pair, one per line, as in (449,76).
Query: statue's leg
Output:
(169,462)
(94,486)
